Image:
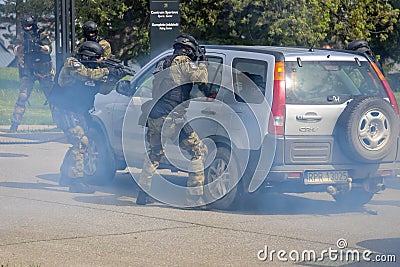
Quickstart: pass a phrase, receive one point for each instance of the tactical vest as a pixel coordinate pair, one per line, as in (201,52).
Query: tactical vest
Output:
(78,96)
(165,91)
(32,51)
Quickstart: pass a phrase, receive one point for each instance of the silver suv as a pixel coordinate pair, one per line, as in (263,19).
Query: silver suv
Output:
(284,118)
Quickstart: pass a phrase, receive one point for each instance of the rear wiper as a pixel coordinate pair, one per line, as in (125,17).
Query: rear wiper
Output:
(357,61)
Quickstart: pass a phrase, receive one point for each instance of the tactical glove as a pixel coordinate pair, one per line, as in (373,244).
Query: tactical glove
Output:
(117,73)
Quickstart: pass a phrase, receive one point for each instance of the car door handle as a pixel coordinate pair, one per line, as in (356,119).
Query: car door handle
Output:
(309,117)
(208,112)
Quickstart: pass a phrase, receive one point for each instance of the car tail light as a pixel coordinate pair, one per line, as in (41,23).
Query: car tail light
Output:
(388,90)
(278,113)
(294,175)
(386,173)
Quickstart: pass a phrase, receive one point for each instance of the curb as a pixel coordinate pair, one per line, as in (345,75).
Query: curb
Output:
(29,128)
(31,134)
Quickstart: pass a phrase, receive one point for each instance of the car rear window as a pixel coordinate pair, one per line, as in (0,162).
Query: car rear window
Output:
(318,82)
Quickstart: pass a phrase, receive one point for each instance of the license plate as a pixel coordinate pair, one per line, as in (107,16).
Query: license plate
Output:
(325,177)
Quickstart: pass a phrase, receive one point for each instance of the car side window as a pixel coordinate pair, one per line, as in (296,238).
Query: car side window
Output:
(214,69)
(144,84)
(249,77)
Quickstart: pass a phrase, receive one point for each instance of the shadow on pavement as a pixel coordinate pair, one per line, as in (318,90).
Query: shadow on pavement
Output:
(393,183)
(38,185)
(291,204)
(122,191)
(384,252)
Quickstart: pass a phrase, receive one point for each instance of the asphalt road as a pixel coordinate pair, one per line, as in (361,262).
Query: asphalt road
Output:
(42,224)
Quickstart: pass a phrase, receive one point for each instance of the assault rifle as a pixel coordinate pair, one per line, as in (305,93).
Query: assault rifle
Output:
(201,53)
(117,64)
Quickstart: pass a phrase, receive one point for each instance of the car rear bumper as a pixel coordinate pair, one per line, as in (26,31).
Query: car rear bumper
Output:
(295,156)
(356,172)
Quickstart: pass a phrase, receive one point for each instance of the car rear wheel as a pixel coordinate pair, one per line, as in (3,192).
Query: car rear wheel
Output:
(221,187)
(100,167)
(368,129)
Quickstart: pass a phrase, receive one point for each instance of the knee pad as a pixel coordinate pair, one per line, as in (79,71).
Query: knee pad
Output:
(23,96)
(84,143)
(75,135)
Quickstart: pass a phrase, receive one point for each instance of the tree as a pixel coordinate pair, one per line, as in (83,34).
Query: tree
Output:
(370,20)
(272,22)
(389,48)
(124,23)
(199,16)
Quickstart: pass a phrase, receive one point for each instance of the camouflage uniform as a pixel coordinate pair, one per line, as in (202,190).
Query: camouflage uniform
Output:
(103,42)
(33,65)
(182,71)
(72,100)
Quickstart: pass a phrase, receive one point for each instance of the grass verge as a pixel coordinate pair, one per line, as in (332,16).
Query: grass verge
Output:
(36,112)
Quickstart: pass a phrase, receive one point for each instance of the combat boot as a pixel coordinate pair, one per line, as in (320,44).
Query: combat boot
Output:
(78,186)
(13,127)
(143,198)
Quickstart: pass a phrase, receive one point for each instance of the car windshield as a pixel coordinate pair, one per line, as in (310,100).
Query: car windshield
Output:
(315,82)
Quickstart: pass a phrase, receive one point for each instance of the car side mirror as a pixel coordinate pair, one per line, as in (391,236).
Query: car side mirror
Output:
(124,88)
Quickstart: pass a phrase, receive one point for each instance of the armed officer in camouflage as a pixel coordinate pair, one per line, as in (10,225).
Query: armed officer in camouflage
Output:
(80,79)
(362,46)
(34,64)
(91,33)
(181,71)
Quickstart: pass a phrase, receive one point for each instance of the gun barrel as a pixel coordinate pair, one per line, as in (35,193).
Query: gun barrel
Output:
(125,69)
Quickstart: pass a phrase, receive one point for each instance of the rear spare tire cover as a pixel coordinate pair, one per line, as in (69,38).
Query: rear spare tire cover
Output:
(368,129)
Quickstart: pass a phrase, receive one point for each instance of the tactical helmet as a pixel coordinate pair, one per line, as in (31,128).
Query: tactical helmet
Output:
(186,40)
(90,50)
(359,46)
(28,21)
(88,28)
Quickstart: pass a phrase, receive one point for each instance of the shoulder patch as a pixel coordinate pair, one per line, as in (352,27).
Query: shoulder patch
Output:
(193,65)
(72,62)
(76,64)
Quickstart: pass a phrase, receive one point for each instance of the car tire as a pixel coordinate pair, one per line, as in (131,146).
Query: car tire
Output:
(367,129)
(100,166)
(354,198)
(222,194)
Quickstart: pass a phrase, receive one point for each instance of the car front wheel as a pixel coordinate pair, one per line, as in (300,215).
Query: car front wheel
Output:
(221,180)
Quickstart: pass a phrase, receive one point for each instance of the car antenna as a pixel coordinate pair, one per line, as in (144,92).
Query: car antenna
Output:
(311,49)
